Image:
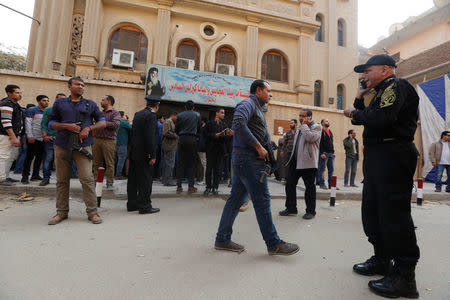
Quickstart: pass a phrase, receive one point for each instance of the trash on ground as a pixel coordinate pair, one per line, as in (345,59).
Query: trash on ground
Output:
(24,197)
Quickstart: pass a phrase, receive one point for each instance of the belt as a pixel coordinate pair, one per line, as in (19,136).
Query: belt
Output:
(376,141)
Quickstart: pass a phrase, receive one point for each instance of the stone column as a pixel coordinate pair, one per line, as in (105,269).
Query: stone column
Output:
(41,36)
(32,43)
(162,36)
(64,37)
(88,60)
(304,82)
(251,50)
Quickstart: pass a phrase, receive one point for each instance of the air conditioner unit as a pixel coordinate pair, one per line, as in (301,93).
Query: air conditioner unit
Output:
(122,58)
(225,69)
(184,63)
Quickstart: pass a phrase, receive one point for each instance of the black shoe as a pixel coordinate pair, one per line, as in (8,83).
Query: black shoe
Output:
(395,285)
(12,179)
(44,182)
(150,210)
(287,212)
(170,184)
(215,191)
(36,178)
(130,209)
(24,180)
(373,266)
(308,216)
(207,191)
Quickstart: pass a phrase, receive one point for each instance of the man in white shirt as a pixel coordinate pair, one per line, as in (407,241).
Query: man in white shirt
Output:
(440,158)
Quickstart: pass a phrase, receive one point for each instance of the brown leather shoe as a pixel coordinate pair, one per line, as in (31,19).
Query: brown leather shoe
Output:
(95,219)
(57,219)
(192,189)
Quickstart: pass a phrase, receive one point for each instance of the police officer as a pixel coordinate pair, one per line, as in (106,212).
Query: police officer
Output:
(390,156)
(142,158)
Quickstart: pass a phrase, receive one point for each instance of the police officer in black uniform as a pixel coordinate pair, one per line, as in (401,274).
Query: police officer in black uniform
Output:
(142,158)
(390,119)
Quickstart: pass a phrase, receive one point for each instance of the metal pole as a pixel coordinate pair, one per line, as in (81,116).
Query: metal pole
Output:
(20,13)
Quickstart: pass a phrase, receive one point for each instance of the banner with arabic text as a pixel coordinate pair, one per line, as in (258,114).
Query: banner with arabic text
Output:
(176,84)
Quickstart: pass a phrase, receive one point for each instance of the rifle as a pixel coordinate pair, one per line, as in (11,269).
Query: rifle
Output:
(74,143)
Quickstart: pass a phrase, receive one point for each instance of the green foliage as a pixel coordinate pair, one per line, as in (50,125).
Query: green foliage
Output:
(12,61)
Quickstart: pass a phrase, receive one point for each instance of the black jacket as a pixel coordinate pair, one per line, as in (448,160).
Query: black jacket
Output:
(326,143)
(188,123)
(214,144)
(14,120)
(144,135)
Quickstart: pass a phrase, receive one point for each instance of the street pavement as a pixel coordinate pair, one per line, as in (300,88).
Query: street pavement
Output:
(170,255)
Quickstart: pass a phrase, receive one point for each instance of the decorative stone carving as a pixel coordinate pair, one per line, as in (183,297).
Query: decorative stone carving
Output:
(77,34)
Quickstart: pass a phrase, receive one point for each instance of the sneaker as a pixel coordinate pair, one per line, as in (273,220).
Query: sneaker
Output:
(284,249)
(179,190)
(244,207)
(308,216)
(437,190)
(323,186)
(192,189)
(6,183)
(44,182)
(95,219)
(58,218)
(231,246)
(287,212)
(12,179)
(36,178)
(109,186)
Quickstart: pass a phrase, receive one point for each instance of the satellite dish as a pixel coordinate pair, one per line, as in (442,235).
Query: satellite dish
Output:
(441,3)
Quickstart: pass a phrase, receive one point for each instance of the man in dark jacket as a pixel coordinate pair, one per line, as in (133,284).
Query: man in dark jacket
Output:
(144,134)
(326,155)
(216,136)
(351,146)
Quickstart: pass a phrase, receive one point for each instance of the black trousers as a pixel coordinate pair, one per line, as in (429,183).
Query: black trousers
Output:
(386,205)
(36,151)
(309,177)
(139,184)
(214,162)
(187,152)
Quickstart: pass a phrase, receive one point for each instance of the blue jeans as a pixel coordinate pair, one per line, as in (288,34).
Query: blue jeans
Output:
(22,155)
(246,180)
(121,152)
(328,162)
(48,158)
(439,172)
(351,164)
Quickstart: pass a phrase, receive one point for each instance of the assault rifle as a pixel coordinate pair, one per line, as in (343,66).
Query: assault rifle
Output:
(74,143)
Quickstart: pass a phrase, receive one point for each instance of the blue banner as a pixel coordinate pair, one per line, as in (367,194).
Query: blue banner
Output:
(175,84)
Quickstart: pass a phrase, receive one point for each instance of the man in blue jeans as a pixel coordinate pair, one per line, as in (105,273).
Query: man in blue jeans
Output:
(326,155)
(49,142)
(439,155)
(121,144)
(249,167)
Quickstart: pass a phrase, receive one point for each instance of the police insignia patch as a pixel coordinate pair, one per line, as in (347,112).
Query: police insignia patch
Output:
(388,96)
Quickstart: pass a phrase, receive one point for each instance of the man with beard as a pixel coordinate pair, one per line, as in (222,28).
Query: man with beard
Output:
(154,88)
(326,158)
(104,149)
(288,144)
(390,157)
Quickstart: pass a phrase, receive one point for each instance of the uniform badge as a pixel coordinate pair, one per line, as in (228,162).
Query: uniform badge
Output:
(388,96)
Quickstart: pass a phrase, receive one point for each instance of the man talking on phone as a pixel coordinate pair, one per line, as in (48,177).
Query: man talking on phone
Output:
(390,157)
(216,135)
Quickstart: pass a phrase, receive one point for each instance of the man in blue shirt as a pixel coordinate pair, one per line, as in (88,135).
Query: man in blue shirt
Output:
(250,161)
(75,114)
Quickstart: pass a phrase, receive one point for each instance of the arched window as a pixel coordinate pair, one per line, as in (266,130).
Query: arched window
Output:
(188,50)
(341,33)
(132,39)
(274,66)
(225,61)
(340,96)
(319,33)
(317,92)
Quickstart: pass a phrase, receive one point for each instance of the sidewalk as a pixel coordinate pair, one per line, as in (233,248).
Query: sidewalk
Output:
(159,191)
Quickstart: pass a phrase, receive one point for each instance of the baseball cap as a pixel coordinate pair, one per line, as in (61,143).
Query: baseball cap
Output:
(376,60)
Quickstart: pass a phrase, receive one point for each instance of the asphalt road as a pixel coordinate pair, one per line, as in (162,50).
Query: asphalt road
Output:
(170,255)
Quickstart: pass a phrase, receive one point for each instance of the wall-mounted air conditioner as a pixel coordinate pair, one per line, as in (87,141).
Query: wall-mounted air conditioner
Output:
(122,58)
(225,69)
(184,63)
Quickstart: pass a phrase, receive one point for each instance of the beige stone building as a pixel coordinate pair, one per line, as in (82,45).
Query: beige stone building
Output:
(306,49)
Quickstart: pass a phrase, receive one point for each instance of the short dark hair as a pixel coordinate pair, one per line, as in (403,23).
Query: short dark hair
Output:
(11,87)
(189,105)
(122,113)
(159,116)
(219,109)
(78,78)
(350,131)
(321,121)
(40,97)
(444,133)
(294,120)
(258,83)
(173,113)
(60,94)
(204,119)
(30,105)
(111,99)
(308,112)
(152,103)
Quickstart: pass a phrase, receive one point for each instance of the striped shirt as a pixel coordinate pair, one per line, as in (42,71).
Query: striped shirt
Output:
(33,119)
(11,117)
